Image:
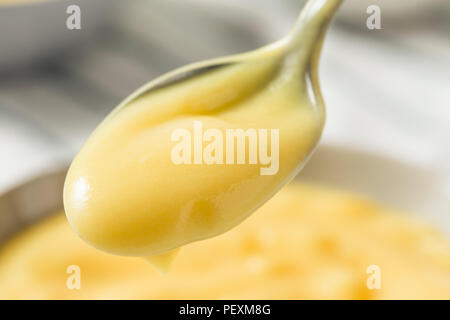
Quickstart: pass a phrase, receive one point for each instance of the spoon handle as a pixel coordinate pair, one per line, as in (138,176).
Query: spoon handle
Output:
(312,24)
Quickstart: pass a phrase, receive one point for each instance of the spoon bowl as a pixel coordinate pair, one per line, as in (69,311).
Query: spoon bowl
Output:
(193,153)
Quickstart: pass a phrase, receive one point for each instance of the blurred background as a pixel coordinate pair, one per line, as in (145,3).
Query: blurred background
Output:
(387,91)
(387,136)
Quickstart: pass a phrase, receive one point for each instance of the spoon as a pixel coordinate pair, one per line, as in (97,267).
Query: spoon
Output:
(137,188)
(305,39)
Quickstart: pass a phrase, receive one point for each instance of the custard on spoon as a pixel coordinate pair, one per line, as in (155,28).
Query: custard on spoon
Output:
(141,187)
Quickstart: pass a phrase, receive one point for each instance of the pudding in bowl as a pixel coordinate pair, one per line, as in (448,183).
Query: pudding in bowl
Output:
(307,242)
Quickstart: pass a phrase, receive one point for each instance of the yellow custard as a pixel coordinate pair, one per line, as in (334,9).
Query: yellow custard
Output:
(124,195)
(169,167)
(304,243)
